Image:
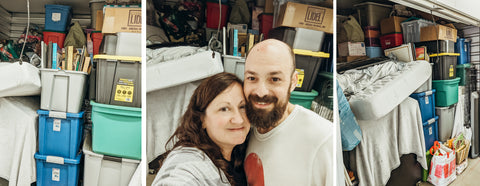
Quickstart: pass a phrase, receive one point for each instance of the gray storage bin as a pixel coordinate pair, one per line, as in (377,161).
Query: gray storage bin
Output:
(106,170)
(299,38)
(411,30)
(427,85)
(129,44)
(446,118)
(109,45)
(62,91)
(118,80)
(234,64)
(370,14)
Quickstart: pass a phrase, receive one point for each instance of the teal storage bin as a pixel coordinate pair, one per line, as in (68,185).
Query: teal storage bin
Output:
(463,73)
(117,130)
(447,92)
(303,99)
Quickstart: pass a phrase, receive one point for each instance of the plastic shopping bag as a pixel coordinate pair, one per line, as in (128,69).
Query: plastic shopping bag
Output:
(442,170)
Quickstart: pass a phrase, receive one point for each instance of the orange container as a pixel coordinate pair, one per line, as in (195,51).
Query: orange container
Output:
(371,31)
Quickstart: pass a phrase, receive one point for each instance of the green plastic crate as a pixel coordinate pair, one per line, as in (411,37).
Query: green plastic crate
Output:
(447,92)
(425,171)
(117,130)
(462,73)
(303,99)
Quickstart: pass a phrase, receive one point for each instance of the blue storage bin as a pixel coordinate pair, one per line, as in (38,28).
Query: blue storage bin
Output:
(461,47)
(430,132)
(57,17)
(373,52)
(426,102)
(53,170)
(59,134)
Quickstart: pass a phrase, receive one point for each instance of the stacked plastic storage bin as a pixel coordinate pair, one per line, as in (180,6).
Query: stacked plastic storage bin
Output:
(411,29)
(60,129)
(446,84)
(114,150)
(370,14)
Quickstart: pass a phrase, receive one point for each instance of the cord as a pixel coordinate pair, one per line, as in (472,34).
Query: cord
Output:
(28,29)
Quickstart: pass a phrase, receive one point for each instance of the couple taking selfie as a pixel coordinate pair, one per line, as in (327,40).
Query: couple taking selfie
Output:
(246,132)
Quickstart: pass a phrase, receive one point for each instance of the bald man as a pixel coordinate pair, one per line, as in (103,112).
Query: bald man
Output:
(290,145)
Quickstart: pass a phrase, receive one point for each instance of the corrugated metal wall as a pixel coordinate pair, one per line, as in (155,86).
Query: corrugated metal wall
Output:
(5,21)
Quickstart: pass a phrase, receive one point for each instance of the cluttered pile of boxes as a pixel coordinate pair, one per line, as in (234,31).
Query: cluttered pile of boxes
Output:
(93,93)
(304,25)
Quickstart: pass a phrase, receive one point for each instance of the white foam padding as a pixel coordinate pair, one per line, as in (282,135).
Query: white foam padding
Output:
(183,70)
(19,80)
(385,90)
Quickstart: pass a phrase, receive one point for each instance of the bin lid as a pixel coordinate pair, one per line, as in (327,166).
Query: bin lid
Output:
(445,54)
(297,94)
(448,81)
(311,53)
(466,65)
(126,58)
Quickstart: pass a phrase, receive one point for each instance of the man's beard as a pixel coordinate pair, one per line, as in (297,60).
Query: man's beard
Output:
(262,118)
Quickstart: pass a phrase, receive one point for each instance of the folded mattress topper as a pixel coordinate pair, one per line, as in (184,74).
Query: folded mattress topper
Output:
(375,91)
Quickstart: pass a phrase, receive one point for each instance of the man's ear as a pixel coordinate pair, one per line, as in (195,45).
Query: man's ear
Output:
(294,81)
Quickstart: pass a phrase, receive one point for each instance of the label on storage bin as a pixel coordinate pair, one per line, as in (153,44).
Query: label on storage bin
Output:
(301,75)
(124,90)
(450,73)
(57,125)
(426,100)
(55,174)
(56,16)
(430,131)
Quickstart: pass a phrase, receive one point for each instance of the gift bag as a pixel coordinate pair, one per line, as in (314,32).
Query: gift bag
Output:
(442,167)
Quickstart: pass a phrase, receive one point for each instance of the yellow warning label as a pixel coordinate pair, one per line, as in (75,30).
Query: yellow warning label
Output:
(301,75)
(124,90)
(450,74)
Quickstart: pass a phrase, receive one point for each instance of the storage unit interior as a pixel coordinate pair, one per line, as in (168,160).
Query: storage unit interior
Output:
(65,106)
(384,44)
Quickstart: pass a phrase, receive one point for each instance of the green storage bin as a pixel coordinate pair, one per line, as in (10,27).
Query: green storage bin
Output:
(463,73)
(324,86)
(303,99)
(447,92)
(117,130)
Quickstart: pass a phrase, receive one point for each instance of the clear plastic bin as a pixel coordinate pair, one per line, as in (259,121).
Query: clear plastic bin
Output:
(411,30)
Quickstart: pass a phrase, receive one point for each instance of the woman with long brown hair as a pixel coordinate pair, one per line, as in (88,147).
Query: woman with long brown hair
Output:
(209,145)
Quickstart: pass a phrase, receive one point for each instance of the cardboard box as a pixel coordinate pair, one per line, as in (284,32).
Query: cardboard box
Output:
(351,49)
(305,16)
(268,6)
(391,25)
(421,53)
(122,20)
(439,32)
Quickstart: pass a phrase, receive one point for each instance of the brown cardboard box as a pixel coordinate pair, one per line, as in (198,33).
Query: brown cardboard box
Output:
(122,20)
(440,32)
(391,25)
(305,16)
(351,49)
(268,6)
(99,23)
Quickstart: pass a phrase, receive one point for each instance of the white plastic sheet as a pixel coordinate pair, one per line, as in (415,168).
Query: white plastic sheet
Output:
(19,80)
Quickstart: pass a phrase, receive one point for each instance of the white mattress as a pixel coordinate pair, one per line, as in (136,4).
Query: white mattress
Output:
(177,71)
(377,90)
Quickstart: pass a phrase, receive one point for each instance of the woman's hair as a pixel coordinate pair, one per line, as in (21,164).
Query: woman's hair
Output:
(190,132)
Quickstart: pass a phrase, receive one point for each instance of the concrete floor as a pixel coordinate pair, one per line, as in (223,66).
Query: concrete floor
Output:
(468,177)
